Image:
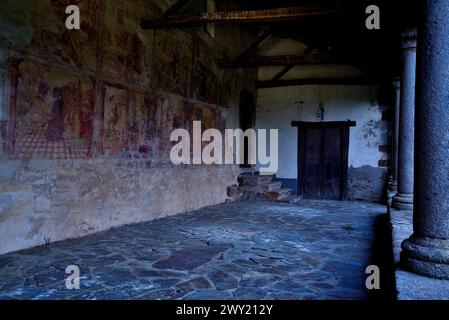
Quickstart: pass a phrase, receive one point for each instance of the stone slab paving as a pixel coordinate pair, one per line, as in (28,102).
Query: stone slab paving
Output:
(245,250)
(410,286)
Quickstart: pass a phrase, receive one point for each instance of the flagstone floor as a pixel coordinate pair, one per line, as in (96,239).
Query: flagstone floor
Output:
(246,250)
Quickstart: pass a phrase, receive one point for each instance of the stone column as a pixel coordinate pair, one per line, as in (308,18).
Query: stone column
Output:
(393,187)
(427,250)
(403,200)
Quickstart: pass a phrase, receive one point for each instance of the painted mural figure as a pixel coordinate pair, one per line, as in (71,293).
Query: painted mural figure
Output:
(115,121)
(85,118)
(55,129)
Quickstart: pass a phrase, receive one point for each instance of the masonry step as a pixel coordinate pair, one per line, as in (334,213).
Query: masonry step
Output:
(252,189)
(275,195)
(254,180)
(264,180)
(272,186)
(289,199)
(263,187)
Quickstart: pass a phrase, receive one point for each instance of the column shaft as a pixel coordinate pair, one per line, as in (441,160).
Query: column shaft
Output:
(393,185)
(404,198)
(427,251)
(397,102)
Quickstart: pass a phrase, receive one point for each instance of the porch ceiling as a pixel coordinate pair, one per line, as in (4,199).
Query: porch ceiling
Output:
(333,29)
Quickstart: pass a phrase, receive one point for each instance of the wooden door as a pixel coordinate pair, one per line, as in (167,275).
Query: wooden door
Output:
(313,168)
(332,164)
(323,160)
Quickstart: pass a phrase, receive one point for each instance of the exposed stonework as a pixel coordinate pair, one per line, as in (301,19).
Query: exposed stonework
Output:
(367,183)
(51,201)
(257,187)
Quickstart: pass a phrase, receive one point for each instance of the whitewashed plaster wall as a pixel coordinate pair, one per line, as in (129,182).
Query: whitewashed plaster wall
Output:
(278,107)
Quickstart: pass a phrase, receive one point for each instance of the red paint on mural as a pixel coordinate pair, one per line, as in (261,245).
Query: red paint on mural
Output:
(125,126)
(53,113)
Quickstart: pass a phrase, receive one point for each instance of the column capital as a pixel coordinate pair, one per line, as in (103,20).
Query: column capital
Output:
(408,39)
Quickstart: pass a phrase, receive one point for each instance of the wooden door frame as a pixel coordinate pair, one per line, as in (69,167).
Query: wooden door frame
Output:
(345,127)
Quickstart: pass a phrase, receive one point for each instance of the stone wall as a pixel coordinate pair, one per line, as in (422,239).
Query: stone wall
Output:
(53,200)
(86,117)
(367,183)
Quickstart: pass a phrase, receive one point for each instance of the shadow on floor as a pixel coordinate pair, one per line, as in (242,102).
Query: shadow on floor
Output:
(382,256)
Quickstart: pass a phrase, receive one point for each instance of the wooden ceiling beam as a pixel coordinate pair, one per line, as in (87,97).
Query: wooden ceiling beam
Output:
(283,72)
(284,60)
(315,81)
(235,17)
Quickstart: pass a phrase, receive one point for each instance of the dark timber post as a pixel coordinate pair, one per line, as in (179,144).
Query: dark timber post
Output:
(427,251)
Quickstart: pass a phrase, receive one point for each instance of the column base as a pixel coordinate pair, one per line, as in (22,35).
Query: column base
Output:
(393,186)
(391,191)
(426,256)
(402,201)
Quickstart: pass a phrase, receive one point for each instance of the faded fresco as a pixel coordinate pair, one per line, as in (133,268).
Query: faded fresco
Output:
(175,55)
(170,115)
(53,41)
(139,123)
(110,93)
(122,51)
(53,112)
(98,84)
(204,82)
(185,67)
(173,112)
(115,120)
(126,122)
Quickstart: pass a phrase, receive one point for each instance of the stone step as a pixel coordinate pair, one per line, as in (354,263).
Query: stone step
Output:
(272,186)
(275,195)
(252,189)
(285,191)
(256,180)
(263,180)
(289,199)
(248,180)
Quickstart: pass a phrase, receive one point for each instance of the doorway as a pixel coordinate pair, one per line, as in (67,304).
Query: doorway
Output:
(323,159)
(247,119)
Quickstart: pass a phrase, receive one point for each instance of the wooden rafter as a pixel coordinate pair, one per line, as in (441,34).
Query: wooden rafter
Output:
(283,72)
(178,5)
(251,16)
(253,46)
(284,60)
(314,81)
